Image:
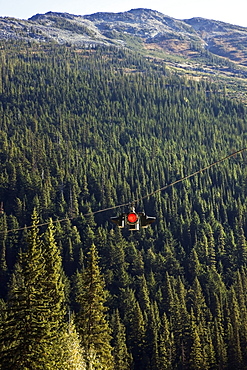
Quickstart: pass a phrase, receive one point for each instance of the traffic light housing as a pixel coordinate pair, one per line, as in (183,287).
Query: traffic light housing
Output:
(133,220)
(146,220)
(119,221)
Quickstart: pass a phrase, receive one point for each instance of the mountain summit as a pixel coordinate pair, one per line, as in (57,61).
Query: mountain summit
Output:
(145,30)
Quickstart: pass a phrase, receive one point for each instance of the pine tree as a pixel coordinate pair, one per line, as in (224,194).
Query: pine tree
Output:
(179,320)
(91,319)
(194,266)
(152,337)
(233,333)
(122,358)
(168,295)
(211,247)
(166,346)
(208,347)
(3,256)
(25,332)
(24,326)
(241,245)
(136,338)
(35,311)
(240,289)
(54,288)
(220,241)
(143,294)
(54,282)
(12,244)
(219,345)
(73,354)
(197,301)
(197,360)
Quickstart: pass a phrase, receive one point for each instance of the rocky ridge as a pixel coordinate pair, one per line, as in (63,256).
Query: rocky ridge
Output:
(145,29)
(197,47)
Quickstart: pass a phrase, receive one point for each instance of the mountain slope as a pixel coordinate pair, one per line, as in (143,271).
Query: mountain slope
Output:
(197,47)
(221,38)
(85,131)
(149,29)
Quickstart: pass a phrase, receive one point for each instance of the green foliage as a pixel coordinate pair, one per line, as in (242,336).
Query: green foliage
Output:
(73,355)
(81,131)
(34,314)
(122,359)
(91,321)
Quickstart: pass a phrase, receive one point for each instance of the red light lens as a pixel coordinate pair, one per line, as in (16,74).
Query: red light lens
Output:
(132,217)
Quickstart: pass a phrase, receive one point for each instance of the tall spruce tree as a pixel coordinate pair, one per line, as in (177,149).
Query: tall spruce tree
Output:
(29,335)
(91,320)
(3,260)
(73,353)
(137,338)
(196,358)
(166,345)
(122,358)
(54,285)
(54,292)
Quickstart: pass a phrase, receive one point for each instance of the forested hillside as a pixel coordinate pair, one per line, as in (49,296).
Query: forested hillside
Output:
(85,130)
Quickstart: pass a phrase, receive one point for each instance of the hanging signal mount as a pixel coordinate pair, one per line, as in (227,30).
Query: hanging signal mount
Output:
(133,220)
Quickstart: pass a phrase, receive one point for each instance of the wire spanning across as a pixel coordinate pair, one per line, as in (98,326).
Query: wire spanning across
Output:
(135,200)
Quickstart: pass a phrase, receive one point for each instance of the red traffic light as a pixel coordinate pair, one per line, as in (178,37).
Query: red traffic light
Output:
(132,218)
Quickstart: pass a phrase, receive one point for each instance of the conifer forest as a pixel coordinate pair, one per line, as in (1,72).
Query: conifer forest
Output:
(89,130)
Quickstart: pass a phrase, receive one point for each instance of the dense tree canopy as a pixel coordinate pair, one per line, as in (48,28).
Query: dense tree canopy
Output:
(84,130)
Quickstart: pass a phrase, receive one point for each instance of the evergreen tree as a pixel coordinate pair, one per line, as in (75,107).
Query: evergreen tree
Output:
(3,256)
(91,319)
(241,245)
(73,354)
(29,335)
(168,295)
(53,285)
(197,360)
(122,358)
(166,346)
(143,294)
(194,265)
(220,346)
(233,333)
(136,338)
(153,337)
